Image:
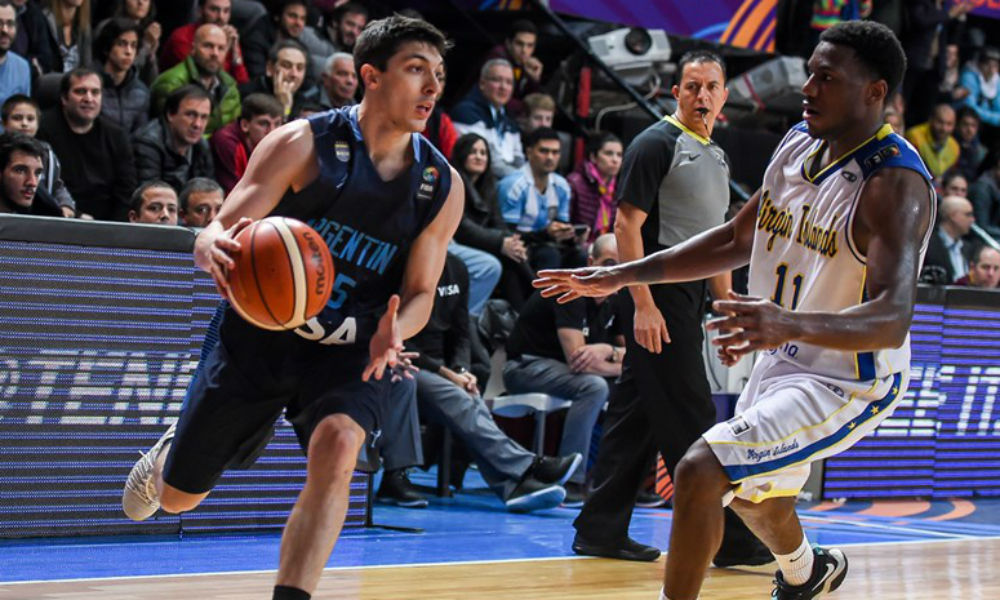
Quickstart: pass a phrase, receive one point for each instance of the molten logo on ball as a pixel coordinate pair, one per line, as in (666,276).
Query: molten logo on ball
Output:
(283,275)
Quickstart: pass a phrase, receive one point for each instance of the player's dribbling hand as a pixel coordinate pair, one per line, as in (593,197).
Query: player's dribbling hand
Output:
(387,344)
(213,251)
(750,324)
(567,285)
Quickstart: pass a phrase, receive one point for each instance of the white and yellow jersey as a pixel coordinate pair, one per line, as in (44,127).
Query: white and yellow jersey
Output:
(804,257)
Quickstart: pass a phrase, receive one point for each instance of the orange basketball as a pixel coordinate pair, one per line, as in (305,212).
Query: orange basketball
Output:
(283,274)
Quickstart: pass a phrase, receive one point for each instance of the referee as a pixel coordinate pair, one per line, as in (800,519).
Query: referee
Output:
(674,185)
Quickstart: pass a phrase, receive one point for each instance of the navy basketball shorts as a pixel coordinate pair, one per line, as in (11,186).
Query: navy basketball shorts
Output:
(247,381)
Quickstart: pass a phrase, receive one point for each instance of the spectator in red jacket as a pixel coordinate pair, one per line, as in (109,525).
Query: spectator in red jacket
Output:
(593,185)
(233,144)
(181,41)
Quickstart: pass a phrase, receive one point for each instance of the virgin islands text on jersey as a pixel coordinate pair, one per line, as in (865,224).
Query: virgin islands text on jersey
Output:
(348,246)
(777,222)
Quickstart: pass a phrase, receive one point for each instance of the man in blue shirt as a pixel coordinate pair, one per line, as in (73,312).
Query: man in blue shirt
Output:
(15,74)
(534,200)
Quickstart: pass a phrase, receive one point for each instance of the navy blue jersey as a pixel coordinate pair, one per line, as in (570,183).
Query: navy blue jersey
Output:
(368,224)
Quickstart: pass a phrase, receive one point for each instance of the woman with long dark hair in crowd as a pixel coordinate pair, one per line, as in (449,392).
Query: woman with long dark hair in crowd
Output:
(482,226)
(69,36)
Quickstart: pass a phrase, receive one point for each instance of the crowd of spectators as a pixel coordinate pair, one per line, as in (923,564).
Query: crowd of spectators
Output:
(132,121)
(109,114)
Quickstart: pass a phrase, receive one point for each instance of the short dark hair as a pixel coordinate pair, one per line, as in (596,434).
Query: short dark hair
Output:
(381,39)
(259,104)
(522,26)
(876,47)
(278,7)
(18,142)
(309,106)
(700,56)
(112,29)
(597,140)
(135,202)
(349,8)
(78,73)
(977,253)
(952,176)
(174,99)
(272,54)
(967,111)
(198,185)
(541,134)
(12,101)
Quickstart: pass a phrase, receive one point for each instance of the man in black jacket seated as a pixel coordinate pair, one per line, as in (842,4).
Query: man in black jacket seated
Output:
(96,157)
(447,394)
(173,149)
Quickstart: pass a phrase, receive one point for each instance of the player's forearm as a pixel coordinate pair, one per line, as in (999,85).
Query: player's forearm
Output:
(702,256)
(873,325)
(414,312)
(628,236)
(719,284)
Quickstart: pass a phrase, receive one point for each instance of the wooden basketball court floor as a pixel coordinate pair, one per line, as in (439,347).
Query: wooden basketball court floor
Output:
(470,548)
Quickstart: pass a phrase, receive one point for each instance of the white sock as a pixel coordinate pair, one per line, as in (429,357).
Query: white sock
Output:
(796,567)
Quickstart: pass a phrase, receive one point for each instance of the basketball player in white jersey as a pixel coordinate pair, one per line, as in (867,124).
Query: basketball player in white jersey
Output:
(834,237)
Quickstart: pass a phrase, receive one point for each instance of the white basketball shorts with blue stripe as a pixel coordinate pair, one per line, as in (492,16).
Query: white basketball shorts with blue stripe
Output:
(787,419)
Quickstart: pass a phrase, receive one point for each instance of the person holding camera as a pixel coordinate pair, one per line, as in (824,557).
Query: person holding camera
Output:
(535,200)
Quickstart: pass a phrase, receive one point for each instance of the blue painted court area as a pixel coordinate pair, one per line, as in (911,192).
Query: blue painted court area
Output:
(472,526)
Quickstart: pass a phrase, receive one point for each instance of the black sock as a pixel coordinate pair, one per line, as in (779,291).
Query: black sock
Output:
(284,592)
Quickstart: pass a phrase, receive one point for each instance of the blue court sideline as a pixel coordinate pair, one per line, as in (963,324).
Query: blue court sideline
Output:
(472,526)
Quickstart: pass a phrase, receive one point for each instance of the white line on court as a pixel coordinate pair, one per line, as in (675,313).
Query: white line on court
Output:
(430,564)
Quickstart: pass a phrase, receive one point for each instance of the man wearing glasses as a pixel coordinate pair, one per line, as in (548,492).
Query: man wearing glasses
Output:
(484,111)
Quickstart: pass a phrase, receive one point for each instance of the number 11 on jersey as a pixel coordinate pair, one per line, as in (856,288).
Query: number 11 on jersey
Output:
(779,287)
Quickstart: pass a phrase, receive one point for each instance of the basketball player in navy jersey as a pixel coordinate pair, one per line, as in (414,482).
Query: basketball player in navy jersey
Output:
(387,203)
(834,238)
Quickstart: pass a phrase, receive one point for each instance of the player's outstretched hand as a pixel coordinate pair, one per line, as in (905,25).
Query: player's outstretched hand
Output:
(750,324)
(569,284)
(387,344)
(405,368)
(213,250)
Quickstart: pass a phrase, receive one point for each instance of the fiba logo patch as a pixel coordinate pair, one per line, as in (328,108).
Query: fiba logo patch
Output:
(428,179)
(738,425)
(342,150)
(882,156)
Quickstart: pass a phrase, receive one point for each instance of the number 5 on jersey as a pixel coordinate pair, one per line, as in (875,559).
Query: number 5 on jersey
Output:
(347,332)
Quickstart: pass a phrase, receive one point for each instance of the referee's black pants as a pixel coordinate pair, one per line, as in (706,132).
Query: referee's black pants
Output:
(661,401)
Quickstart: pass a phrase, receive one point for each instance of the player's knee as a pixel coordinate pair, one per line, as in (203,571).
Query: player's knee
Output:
(699,472)
(175,501)
(336,442)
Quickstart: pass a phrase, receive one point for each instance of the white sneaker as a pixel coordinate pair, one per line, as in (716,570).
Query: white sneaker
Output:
(139,498)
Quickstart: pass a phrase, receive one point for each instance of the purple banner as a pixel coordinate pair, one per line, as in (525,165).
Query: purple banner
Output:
(746,23)
(987,8)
